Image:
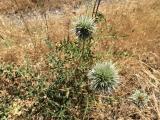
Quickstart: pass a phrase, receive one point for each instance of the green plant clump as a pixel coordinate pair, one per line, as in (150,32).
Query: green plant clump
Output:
(68,94)
(139,98)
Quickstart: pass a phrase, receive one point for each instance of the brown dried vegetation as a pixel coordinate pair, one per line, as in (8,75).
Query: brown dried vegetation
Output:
(130,36)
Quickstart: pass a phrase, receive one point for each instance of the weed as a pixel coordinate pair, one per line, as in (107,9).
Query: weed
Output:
(104,77)
(84,28)
(4,107)
(69,89)
(139,98)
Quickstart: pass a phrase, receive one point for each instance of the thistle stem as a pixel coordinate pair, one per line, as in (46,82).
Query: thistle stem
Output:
(99,1)
(96,7)
(83,48)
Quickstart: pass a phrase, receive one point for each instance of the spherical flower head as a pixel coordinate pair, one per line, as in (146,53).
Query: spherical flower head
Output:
(84,27)
(104,77)
(139,98)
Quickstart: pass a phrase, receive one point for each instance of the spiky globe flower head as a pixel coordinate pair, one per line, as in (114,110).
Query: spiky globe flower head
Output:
(104,77)
(139,98)
(84,27)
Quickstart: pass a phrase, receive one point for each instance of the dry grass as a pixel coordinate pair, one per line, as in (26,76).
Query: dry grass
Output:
(134,29)
(26,5)
(130,36)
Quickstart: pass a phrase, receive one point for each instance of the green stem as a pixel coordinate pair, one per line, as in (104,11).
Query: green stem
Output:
(86,109)
(83,48)
(82,52)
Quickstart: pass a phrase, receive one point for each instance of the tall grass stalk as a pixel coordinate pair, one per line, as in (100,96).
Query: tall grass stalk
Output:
(95,8)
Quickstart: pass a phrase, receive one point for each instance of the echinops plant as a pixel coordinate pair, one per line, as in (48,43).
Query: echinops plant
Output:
(139,98)
(104,77)
(84,27)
